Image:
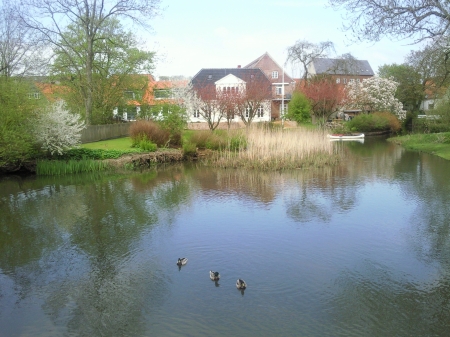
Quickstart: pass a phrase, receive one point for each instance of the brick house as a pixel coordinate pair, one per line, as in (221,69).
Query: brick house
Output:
(342,70)
(279,81)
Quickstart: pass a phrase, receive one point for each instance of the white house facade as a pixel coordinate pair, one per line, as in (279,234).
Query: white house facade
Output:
(235,82)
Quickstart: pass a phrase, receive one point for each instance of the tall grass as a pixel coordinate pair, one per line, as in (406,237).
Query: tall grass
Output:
(62,167)
(280,149)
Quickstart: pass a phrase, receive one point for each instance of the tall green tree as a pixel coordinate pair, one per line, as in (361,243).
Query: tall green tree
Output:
(52,18)
(410,90)
(18,114)
(115,68)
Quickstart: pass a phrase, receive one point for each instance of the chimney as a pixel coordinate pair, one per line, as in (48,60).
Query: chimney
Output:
(239,66)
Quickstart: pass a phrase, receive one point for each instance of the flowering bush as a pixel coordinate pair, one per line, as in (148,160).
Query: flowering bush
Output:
(57,129)
(374,94)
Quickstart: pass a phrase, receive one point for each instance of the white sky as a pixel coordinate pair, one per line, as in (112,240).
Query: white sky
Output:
(195,34)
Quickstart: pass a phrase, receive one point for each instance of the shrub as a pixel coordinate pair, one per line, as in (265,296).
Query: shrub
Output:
(299,109)
(216,141)
(237,143)
(425,125)
(189,149)
(378,121)
(82,153)
(148,130)
(147,145)
(200,138)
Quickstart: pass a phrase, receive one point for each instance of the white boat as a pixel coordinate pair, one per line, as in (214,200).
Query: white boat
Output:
(359,140)
(343,136)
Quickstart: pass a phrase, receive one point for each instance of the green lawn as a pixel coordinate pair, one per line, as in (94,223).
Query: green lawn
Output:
(122,144)
(434,143)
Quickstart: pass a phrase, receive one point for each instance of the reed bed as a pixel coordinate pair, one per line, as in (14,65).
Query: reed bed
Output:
(278,149)
(62,167)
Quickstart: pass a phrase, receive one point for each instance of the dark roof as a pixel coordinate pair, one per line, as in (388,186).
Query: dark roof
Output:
(343,67)
(211,75)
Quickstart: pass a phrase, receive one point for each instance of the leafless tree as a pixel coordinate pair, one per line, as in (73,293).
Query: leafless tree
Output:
(304,52)
(50,18)
(21,52)
(419,19)
(204,101)
(345,64)
(253,100)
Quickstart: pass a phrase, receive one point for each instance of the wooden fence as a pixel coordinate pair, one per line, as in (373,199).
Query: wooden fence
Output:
(94,133)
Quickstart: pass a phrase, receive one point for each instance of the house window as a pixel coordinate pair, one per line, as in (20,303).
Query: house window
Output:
(279,90)
(283,109)
(260,111)
(274,74)
(162,93)
(431,106)
(35,95)
(197,113)
(129,94)
(358,80)
(345,80)
(352,80)
(338,80)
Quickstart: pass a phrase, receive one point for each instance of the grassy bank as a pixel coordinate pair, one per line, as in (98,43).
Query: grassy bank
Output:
(280,149)
(434,143)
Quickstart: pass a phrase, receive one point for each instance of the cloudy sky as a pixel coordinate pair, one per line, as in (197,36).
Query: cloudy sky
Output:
(195,34)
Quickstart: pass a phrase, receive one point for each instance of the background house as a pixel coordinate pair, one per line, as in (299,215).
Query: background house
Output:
(279,80)
(342,70)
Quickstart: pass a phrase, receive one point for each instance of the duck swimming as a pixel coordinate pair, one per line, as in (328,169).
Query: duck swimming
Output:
(181,261)
(214,275)
(240,284)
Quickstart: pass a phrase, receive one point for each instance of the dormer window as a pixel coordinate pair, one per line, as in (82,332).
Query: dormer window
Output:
(209,77)
(129,94)
(35,95)
(274,74)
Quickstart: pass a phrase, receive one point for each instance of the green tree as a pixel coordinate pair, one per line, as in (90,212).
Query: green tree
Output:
(299,109)
(17,118)
(432,62)
(410,90)
(114,68)
(59,21)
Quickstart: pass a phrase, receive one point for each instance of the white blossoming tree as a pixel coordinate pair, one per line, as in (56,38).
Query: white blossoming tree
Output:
(57,129)
(374,94)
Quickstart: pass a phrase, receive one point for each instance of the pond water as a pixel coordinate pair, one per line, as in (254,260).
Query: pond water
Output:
(359,250)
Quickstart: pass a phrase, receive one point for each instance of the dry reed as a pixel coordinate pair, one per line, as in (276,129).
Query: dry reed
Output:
(281,149)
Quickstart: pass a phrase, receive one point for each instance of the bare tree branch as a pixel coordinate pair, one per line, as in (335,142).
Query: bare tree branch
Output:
(304,52)
(419,19)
